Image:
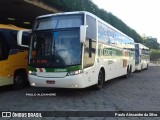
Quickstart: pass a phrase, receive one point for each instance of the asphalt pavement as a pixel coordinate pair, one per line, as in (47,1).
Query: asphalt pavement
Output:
(140,92)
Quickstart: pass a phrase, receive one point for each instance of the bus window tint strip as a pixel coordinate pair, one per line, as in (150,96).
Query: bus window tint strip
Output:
(60,21)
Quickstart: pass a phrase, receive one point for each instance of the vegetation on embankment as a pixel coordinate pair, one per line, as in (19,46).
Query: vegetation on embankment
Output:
(88,5)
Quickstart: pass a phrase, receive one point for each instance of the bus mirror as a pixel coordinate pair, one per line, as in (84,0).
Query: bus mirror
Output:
(20,39)
(83,33)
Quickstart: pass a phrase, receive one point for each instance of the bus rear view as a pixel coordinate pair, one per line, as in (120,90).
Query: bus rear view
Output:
(142,57)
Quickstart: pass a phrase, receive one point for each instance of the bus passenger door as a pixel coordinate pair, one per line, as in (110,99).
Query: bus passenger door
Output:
(89,60)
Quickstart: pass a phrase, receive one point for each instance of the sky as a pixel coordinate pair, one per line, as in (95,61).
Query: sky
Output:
(141,15)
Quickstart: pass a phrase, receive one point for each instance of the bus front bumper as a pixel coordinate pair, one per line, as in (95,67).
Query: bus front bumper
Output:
(75,81)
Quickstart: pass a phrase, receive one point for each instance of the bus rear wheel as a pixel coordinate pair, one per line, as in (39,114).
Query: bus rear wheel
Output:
(20,80)
(127,73)
(146,67)
(100,82)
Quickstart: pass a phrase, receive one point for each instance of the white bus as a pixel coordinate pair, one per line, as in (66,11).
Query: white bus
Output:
(142,57)
(77,50)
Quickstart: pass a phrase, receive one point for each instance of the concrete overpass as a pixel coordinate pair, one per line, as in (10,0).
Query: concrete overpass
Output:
(22,13)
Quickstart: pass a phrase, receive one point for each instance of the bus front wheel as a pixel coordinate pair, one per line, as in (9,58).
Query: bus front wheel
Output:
(20,80)
(100,82)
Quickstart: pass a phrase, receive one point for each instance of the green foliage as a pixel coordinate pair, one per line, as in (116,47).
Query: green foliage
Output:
(154,54)
(88,5)
(151,43)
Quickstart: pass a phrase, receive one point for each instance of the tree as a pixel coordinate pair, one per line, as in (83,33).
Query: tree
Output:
(154,54)
(151,43)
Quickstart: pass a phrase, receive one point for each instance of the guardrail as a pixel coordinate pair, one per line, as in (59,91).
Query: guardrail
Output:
(154,63)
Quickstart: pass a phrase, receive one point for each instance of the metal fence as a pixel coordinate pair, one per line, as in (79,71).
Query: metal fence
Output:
(154,63)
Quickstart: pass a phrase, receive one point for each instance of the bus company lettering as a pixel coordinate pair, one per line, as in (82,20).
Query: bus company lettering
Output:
(110,62)
(107,52)
(60,70)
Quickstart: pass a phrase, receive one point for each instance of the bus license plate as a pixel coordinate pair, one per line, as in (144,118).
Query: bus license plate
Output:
(50,82)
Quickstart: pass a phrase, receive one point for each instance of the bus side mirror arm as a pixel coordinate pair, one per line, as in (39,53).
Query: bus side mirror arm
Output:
(83,33)
(19,37)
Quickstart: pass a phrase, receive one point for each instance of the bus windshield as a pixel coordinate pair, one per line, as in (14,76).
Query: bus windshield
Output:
(55,48)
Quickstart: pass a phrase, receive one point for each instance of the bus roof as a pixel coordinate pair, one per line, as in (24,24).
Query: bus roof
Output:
(63,13)
(88,13)
(10,26)
(142,46)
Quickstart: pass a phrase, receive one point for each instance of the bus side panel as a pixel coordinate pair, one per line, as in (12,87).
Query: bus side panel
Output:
(145,61)
(112,59)
(20,61)
(4,71)
(11,59)
(9,66)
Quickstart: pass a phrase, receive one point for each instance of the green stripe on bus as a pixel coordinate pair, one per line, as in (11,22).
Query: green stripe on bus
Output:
(72,68)
(104,50)
(32,68)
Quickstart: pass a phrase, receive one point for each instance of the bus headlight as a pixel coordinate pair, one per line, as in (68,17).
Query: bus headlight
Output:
(74,72)
(31,73)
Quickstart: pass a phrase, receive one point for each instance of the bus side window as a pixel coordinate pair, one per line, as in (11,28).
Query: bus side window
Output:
(4,49)
(91,29)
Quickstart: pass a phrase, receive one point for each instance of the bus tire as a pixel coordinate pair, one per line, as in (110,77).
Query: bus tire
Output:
(100,82)
(140,69)
(20,80)
(146,67)
(130,70)
(127,73)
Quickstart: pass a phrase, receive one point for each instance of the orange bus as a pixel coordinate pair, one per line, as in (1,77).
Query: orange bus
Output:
(13,58)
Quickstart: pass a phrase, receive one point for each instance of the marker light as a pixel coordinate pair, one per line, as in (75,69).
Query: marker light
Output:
(31,72)
(26,23)
(33,84)
(11,19)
